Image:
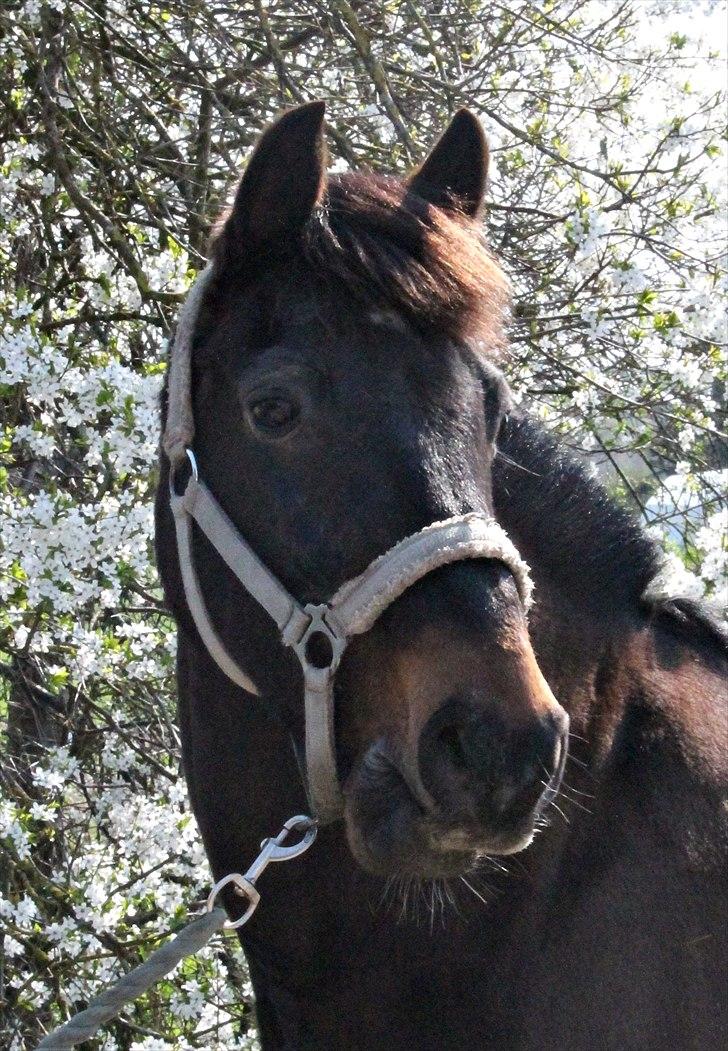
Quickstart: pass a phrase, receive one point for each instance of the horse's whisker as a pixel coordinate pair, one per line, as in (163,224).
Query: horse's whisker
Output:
(472,889)
(575,802)
(579,762)
(558,809)
(587,795)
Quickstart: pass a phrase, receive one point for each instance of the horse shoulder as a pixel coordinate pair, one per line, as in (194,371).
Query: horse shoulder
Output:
(634,947)
(667,768)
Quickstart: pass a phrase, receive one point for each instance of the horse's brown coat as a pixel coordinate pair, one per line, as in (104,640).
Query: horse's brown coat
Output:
(609,932)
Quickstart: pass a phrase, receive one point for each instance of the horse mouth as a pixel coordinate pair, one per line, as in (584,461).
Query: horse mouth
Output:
(390,833)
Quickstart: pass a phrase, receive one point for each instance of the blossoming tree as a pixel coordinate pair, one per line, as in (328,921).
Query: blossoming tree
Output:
(121,126)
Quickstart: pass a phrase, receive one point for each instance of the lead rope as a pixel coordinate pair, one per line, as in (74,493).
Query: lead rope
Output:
(190,940)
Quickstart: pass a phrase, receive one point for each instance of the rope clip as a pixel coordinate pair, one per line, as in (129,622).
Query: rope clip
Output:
(271,849)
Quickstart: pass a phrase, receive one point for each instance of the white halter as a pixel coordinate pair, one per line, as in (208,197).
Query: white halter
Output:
(351,611)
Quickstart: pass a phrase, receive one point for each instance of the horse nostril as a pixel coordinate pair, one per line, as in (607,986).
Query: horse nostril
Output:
(519,794)
(474,760)
(458,750)
(536,774)
(450,738)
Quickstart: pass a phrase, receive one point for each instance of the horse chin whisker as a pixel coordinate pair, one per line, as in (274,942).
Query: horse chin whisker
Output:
(494,864)
(451,899)
(405,886)
(386,892)
(476,893)
(418,897)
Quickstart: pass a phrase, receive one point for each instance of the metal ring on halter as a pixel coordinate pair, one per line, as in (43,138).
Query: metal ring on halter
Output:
(174,469)
(322,622)
(193,464)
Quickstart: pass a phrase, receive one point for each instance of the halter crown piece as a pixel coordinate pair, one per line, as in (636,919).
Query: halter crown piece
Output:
(351,611)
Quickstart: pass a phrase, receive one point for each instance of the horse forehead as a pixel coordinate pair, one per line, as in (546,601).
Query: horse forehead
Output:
(354,344)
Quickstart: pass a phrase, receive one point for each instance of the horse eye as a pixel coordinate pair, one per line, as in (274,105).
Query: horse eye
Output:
(273,415)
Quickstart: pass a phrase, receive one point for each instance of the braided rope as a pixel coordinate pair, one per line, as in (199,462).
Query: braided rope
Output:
(110,1002)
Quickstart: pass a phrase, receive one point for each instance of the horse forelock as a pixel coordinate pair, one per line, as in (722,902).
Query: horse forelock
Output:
(393,252)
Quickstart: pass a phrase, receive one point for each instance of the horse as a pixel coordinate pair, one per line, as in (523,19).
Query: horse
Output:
(346,393)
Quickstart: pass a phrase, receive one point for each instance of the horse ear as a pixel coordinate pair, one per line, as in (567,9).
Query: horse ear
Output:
(454,173)
(284,181)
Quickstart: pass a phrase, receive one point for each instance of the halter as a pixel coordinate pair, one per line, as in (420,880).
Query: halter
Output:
(317,633)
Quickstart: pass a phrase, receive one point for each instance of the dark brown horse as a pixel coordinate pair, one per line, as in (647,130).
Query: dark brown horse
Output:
(344,396)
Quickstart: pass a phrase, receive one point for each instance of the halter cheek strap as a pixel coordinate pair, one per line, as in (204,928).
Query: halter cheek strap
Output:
(351,611)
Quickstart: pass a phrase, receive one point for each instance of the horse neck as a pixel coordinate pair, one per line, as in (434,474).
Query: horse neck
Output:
(590,563)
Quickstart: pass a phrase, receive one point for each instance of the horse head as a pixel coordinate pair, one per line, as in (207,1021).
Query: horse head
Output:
(345,396)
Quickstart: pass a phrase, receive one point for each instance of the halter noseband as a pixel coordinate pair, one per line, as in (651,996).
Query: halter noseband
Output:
(351,611)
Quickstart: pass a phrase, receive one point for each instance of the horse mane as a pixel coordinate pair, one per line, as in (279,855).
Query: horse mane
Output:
(588,545)
(591,548)
(390,250)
